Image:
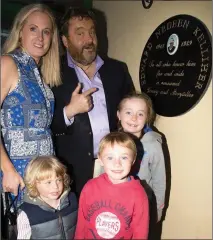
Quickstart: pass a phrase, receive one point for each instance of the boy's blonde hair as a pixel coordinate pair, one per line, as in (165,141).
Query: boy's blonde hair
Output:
(120,138)
(50,63)
(42,168)
(143,96)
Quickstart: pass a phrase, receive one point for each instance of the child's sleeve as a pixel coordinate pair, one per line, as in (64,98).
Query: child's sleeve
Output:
(80,228)
(158,173)
(23,226)
(140,218)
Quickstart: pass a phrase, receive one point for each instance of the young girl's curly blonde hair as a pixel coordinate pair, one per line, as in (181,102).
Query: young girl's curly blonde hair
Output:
(43,167)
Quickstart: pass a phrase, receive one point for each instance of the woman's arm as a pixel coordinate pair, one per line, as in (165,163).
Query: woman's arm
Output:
(9,79)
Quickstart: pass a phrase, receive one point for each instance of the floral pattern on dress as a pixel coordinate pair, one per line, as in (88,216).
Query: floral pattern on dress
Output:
(26,115)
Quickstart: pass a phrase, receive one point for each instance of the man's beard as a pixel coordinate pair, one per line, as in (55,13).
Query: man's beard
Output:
(80,56)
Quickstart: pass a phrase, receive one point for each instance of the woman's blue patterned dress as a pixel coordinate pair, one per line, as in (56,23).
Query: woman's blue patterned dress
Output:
(26,115)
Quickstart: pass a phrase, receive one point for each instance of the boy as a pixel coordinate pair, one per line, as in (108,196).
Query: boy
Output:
(50,209)
(114,205)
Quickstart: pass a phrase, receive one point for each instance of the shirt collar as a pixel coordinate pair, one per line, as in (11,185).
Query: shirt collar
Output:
(25,58)
(98,61)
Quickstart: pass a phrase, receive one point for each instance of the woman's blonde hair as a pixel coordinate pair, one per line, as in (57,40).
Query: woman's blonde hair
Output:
(41,168)
(143,96)
(120,138)
(50,63)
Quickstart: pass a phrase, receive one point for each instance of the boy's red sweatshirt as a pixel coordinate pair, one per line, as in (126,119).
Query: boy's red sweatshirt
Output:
(112,211)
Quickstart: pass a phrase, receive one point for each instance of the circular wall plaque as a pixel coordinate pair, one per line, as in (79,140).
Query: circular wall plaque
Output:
(176,65)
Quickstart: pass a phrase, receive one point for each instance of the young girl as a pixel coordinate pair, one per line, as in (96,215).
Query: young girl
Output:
(49,210)
(135,113)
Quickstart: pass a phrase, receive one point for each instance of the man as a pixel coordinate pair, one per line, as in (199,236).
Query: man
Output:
(171,46)
(86,102)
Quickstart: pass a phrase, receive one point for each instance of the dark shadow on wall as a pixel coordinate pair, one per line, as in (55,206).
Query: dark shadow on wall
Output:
(101,31)
(103,44)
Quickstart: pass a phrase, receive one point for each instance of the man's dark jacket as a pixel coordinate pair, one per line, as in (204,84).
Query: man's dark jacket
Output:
(74,144)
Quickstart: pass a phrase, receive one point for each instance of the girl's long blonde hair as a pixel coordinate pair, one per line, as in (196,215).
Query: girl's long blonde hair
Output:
(50,63)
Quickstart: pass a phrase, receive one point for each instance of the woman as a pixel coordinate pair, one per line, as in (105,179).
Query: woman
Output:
(30,63)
